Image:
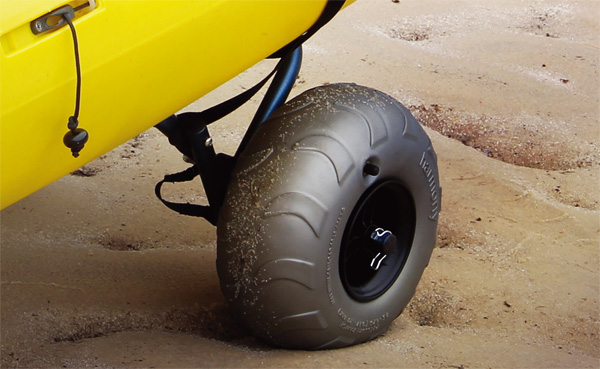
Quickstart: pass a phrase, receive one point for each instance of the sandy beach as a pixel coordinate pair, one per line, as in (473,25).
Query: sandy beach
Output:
(96,272)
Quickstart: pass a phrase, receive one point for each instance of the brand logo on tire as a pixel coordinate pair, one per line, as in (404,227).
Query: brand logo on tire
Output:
(433,187)
(361,326)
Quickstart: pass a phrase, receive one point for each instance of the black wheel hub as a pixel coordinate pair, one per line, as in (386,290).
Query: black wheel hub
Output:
(377,240)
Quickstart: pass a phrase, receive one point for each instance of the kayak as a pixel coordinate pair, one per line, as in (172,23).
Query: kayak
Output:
(140,61)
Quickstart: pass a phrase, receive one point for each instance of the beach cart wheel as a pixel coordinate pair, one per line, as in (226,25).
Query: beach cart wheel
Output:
(329,220)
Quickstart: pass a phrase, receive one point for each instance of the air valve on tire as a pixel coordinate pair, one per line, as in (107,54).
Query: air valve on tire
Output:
(387,240)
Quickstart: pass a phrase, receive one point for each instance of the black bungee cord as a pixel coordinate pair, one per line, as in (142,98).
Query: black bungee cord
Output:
(76,138)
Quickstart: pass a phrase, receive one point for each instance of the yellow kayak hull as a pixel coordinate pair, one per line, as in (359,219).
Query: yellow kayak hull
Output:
(141,61)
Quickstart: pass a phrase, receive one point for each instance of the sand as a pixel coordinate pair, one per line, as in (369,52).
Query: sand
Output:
(96,272)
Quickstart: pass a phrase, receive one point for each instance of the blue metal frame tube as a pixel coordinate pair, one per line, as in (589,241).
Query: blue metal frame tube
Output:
(277,93)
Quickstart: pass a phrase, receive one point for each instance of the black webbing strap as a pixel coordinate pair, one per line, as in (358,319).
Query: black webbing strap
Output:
(194,122)
(187,208)
(331,9)
(197,120)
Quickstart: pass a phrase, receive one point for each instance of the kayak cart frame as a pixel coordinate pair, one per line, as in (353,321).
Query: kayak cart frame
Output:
(188,132)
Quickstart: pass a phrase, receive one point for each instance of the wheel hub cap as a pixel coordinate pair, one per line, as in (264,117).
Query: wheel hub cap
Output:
(377,240)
